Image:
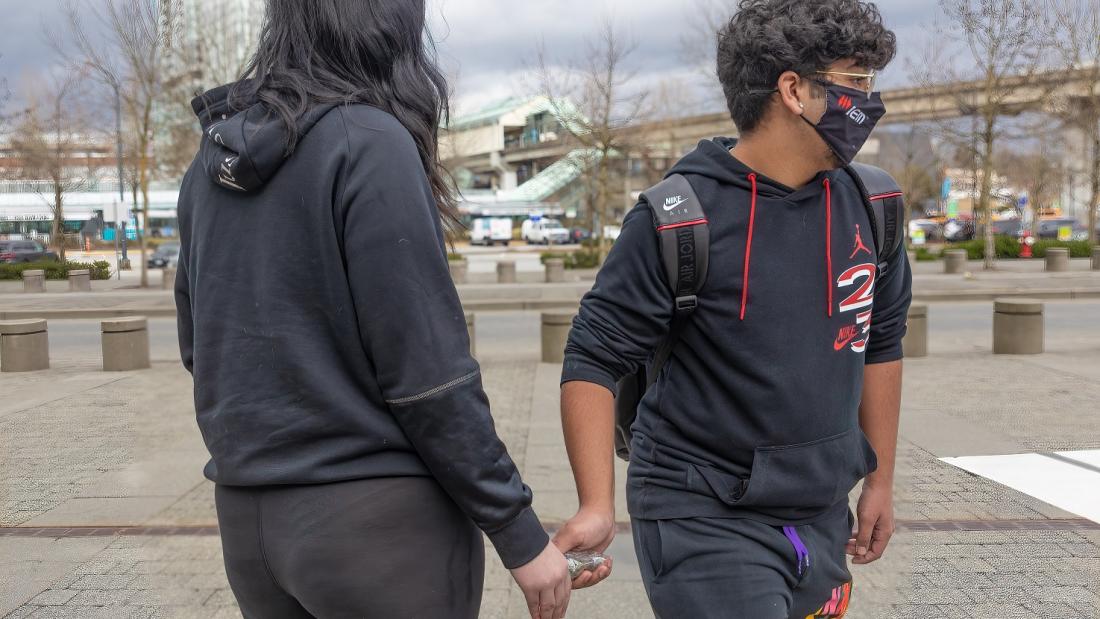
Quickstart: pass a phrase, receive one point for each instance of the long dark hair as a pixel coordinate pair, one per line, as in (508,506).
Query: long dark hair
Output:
(374,52)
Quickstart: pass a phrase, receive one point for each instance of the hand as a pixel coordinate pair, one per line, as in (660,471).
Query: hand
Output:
(589,530)
(875,516)
(545,583)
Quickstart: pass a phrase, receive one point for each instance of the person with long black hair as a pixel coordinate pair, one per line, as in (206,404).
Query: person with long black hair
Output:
(351,442)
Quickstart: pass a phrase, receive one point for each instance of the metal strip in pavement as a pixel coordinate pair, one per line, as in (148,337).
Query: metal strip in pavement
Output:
(1077,463)
(915,526)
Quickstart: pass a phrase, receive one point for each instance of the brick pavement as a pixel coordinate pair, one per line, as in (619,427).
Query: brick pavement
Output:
(103,449)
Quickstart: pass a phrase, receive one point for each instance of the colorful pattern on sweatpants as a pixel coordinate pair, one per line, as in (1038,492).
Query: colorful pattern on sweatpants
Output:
(837,606)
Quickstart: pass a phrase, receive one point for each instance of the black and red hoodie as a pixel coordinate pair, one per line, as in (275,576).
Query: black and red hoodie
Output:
(756,413)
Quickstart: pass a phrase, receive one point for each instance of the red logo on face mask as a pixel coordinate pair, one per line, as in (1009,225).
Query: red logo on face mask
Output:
(845,102)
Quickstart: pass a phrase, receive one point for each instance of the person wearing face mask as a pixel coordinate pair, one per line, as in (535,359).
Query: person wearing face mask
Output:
(783,390)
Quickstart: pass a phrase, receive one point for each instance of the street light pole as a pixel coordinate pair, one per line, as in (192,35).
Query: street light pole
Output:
(121,181)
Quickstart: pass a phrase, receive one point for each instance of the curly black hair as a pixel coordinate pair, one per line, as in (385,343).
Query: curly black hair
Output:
(768,37)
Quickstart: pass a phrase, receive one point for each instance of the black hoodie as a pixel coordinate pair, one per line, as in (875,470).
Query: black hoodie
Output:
(756,413)
(319,319)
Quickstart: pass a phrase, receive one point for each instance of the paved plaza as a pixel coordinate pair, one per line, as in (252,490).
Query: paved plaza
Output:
(104,512)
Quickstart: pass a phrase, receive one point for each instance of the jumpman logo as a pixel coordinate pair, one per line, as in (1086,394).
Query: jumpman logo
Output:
(859,245)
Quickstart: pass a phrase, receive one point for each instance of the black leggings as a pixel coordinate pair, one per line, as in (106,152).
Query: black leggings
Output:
(394,548)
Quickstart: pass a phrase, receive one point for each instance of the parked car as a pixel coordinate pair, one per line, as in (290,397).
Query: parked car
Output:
(12,252)
(1053,228)
(167,255)
(579,235)
(1009,227)
(544,231)
(931,231)
(489,231)
(959,230)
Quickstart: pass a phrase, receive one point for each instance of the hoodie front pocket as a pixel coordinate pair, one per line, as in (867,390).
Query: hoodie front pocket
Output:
(806,476)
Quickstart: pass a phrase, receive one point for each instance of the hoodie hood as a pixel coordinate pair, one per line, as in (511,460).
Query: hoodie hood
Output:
(712,159)
(242,149)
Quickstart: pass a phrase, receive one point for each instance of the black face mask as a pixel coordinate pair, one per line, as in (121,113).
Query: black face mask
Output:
(850,116)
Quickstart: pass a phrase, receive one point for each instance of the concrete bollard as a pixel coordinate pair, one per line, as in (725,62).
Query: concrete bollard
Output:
(125,344)
(954,261)
(80,281)
(24,346)
(459,270)
(915,344)
(555,271)
(1018,327)
(506,272)
(1096,258)
(34,280)
(1057,260)
(555,333)
(471,330)
(168,278)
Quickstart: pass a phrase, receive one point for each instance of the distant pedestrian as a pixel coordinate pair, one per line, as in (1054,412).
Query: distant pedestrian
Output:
(779,299)
(350,437)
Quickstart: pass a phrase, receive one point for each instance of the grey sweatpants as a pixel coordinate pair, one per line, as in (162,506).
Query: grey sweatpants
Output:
(711,568)
(389,548)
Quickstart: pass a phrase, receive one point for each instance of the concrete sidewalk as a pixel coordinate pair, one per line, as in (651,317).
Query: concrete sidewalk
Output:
(104,302)
(104,512)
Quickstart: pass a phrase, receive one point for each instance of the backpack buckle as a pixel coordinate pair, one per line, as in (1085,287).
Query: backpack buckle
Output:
(687,304)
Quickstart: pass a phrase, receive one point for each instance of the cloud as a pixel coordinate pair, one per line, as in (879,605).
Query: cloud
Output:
(488,43)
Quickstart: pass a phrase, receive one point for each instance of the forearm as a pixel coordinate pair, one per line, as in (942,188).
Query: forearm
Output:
(588,421)
(452,432)
(878,415)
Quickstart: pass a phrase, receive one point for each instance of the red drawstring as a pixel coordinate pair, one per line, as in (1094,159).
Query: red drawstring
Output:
(829,243)
(748,250)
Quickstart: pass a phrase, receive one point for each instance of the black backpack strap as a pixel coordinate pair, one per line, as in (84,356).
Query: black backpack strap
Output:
(685,250)
(885,205)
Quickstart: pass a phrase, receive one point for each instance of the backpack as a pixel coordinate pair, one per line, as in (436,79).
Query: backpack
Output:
(684,242)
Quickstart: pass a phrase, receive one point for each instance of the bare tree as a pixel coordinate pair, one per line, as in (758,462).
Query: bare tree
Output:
(1038,171)
(1076,29)
(1004,47)
(5,94)
(594,104)
(699,47)
(131,61)
(222,37)
(46,140)
(218,41)
(914,170)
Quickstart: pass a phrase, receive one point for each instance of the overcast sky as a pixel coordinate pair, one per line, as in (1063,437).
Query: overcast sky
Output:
(486,44)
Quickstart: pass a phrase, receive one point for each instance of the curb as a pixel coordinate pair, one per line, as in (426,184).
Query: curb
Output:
(489,305)
(88,314)
(1063,294)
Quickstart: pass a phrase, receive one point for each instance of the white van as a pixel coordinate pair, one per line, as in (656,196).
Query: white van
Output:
(544,231)
(489,231)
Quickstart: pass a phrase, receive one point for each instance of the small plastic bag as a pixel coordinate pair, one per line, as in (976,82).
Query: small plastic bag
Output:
(581,562)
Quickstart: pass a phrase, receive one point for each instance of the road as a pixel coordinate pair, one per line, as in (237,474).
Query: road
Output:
(73,339)
(953,327)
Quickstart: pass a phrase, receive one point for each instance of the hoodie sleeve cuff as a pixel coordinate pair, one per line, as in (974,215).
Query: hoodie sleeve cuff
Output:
(885,355)
(578,369)
(520,541)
